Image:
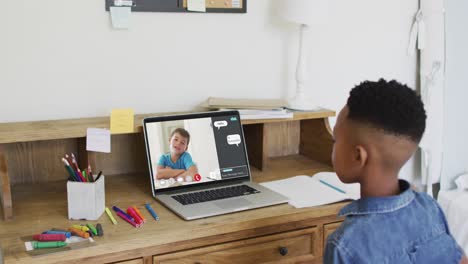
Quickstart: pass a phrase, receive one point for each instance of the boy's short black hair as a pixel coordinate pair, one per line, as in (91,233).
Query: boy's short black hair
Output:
(183,133)
(391,106)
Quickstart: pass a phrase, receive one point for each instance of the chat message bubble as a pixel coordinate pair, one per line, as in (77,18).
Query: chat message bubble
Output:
(234,139)
(219,124)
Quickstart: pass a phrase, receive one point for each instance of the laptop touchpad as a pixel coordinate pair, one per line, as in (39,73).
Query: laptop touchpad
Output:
(233,203)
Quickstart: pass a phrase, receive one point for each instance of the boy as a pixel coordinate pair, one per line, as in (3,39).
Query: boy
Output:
(178,162)
(375,134)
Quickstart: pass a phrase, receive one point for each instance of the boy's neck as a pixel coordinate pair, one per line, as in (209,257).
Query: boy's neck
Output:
(380,184)
(175,157)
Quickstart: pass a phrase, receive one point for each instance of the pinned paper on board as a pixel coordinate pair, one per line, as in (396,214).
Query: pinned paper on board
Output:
(98,139)
(120,16)
(122,121)
(196,5)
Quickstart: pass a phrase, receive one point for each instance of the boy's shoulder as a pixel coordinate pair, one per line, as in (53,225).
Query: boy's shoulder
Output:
(388,226)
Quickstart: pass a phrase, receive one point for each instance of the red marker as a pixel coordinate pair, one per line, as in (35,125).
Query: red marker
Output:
(135,216)
(197,177)
(50,237)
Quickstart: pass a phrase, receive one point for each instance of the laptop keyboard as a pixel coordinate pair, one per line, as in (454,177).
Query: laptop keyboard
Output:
(214,194)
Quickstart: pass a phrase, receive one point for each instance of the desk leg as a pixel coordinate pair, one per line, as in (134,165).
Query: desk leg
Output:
(256,141)
(5,194)
(316,140)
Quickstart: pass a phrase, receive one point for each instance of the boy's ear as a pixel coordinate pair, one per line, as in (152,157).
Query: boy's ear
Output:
(360,155)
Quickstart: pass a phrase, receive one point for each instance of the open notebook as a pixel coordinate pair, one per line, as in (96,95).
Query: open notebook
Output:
(319,189)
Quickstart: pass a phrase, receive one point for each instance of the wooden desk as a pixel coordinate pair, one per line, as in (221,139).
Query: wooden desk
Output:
(32,179)
(254,236)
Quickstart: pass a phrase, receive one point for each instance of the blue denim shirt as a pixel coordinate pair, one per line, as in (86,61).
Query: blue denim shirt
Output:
(406,228)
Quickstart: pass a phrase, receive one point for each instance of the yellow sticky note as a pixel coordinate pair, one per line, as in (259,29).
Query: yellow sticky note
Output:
(121,121)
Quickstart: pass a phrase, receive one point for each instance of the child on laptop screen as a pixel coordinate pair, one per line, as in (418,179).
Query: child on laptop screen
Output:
(177,163)
(376,133)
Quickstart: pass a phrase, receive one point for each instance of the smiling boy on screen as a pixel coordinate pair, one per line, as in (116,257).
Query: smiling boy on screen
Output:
(177,162)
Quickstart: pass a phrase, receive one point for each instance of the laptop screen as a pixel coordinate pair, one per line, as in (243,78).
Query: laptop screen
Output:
(195,149)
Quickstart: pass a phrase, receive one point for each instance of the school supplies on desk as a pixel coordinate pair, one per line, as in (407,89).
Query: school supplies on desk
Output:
(152,212)
(109,213)
(86,199)
(74,172)
(319,189)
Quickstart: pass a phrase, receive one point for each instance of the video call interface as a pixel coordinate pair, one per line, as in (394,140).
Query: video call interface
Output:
(192,151)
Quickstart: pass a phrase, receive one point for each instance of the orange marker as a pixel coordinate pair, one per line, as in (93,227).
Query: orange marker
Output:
(78,232)
(139,214)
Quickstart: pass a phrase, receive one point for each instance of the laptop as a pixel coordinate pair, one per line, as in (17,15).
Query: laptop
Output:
(199,167)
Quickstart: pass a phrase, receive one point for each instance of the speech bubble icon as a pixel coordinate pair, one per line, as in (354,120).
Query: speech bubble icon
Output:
(219,124)
(234,139)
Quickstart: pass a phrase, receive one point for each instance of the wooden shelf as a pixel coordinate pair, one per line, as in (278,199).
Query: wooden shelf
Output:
(30,151)
(76,128)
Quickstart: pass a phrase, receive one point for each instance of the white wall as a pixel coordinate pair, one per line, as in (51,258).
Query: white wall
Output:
(456,93)
(62,59)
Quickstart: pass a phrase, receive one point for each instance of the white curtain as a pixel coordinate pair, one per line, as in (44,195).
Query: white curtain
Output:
(428,37)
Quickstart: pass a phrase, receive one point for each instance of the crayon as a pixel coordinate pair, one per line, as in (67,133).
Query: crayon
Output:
(100,231)
(80,227)
(50,244)
(92,229)
(66,233)
(79,232)
(49,237)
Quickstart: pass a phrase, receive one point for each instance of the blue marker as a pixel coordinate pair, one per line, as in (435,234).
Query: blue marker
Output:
(152,212)
(331,186)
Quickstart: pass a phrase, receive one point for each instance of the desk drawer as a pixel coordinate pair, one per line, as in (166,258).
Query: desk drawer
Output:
(291,247)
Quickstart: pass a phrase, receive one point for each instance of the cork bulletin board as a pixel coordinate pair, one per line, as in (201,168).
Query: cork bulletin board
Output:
(212,6)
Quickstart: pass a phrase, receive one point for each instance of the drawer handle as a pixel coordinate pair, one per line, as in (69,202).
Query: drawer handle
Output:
(283,251)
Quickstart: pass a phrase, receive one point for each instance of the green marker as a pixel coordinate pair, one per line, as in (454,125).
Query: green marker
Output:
(50,244)
(93,229)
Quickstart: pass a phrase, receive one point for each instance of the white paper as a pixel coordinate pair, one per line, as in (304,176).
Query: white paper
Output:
(196,5)
(277,113)
(120,16)
(353,190)
(305,191)
(98,139)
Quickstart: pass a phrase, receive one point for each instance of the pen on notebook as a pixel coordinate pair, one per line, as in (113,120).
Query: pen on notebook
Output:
(331,186)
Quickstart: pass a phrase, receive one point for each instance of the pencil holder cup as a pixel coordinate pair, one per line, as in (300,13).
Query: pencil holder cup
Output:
(86,200)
